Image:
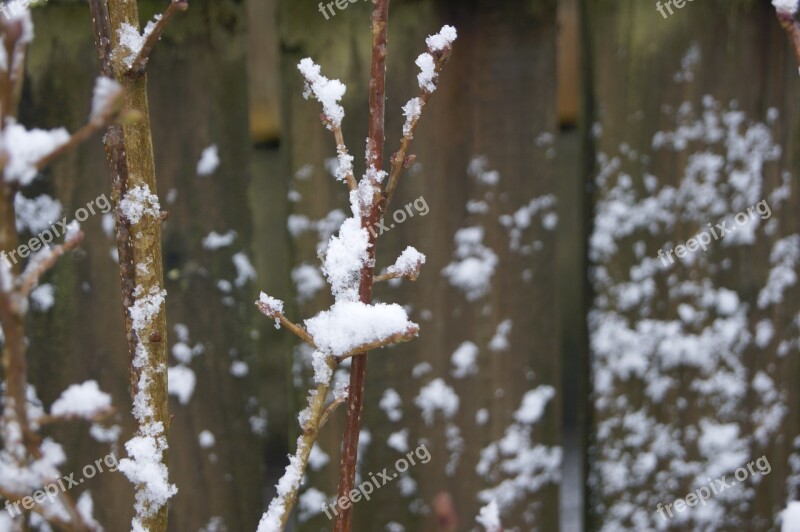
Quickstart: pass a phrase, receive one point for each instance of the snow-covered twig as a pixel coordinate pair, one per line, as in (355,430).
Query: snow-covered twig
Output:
(431,63)
(152,37)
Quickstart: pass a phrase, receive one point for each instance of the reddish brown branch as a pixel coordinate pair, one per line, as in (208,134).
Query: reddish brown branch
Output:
(355,404)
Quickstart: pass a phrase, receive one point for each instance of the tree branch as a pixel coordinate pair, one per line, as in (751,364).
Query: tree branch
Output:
(374,157)
(140,62)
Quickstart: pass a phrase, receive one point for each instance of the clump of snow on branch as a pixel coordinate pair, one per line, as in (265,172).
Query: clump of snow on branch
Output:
(444,39)
(131,41)
(348,325)
(412,111)
(271,307)
(288,484)
(82,400)
(408,264)
(787,6)
(427,63)
(144,466)
(327,91)
(139,202)
(209,161)
(346,255)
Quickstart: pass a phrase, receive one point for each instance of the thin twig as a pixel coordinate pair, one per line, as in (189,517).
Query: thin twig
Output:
(298,331)
(400,159)
(330,409)
(140,62)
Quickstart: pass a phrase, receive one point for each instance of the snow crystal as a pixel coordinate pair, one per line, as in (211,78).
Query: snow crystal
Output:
(412,111)
(787,6)
(427,72)
(344,164)
(214,240)
(131,41)
(475,265)
(289,482)
(35,214)
(146,307)
(81,400)
(350,324)
(327,91)
(209,161)
(398,441)
(439,41)
(533,404)
(239,368)
(407,264)
(25,148)
(144,468)
(139,202)
(308,280)
(392,405)
(106,90)
(784,258)
(271,307)
(181,382)
(436,395)
(791,515)
(318,458)
(244,269)
(499,341)
(310,503)
(43,297)
(322,368)
(489,517)
(206,439)
(464,360)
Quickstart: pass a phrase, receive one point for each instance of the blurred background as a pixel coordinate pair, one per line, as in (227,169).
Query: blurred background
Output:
(568,142)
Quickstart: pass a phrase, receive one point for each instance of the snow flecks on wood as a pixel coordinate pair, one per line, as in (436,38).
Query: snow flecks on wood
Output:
(651,319)
(516,466)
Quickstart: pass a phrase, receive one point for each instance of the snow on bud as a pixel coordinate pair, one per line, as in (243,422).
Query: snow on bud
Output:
(271,307)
